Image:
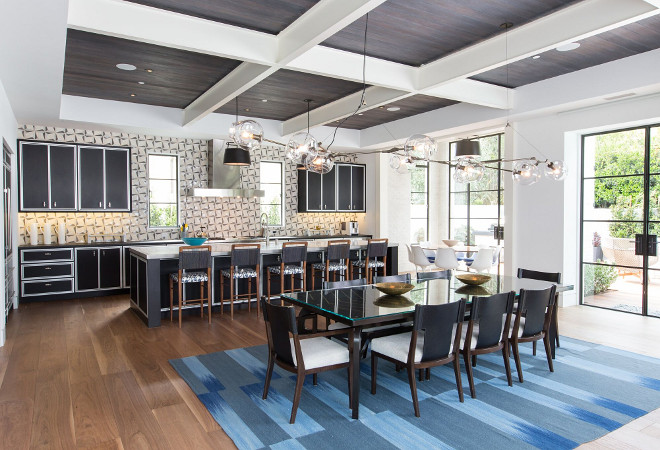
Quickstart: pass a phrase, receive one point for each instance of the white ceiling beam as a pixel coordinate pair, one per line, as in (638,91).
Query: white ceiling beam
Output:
(160,27)
(475,92)
(320,22)
(570,24)
(374,97)
(238,81)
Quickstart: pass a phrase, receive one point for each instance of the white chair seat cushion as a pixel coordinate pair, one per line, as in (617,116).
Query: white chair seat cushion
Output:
(332,266)
(242,272)
(320,352)
(288,269)
(341,326)
(372,263)
(397,346)
(475,335)
(520,330)
(190,277)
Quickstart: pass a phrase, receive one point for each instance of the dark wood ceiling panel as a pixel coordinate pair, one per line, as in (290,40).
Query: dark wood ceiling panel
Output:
(285,91)
(410,106)
(615,44)
(178,76)
(268,16)
(416,32)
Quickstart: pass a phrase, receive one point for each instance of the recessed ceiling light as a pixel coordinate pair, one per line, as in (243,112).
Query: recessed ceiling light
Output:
(140,82)
(536,56)
(264,100)
(124,66)
(149,70)
(247,109)
(393,108)
(132,95)
(381,107)
(360,114)
(568,47)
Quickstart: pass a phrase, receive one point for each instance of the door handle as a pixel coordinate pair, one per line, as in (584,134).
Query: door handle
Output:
(652,243)
(639,244)
(100,204)
(44,204)
(109,205)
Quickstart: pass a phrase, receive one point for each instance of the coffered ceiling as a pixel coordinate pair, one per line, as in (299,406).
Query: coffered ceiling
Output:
(420,56)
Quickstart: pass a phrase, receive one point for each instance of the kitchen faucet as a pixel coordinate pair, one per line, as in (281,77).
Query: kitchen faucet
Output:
(265,230)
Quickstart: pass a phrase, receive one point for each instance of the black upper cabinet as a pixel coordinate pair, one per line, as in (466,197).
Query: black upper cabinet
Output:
(341,189)
(351,181)
(47,179)
(104,178)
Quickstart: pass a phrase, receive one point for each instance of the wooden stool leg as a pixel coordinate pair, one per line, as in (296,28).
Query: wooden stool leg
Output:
(171,298)
(222,294)
(231,295)
(249,297)
(208,294)
(268,285)
(201,302)
(180,299)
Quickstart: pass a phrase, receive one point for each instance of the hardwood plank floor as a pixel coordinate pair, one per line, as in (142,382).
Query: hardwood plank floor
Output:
(89,374)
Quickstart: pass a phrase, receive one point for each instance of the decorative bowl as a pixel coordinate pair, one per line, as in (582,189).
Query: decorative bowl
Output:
(193,241)
(473,290)
(393,301)
(473,279)
(394,288)
(450,242)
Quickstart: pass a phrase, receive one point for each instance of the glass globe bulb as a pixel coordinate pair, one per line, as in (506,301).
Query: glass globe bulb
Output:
(555,170)
(407,164)
(468,170)
(395,162)
(322,163)
(232,129)
(300,147)
(248,134)
(526,172)
(420,146)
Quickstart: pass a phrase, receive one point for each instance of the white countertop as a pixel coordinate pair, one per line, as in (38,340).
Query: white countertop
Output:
(224,249)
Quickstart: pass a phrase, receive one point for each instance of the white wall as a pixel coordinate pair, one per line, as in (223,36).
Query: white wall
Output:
(8,129)
(543,228)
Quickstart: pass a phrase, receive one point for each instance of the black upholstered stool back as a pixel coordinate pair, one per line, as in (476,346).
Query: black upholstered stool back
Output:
(243,255)
(195,257)
(376,248)
(294,252)
(338,250)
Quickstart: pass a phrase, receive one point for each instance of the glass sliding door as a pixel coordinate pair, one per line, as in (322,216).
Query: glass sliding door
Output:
(620,186)
(476,209)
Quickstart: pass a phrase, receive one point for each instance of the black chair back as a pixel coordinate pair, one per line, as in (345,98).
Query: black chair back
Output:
(244,255)
(338,250)
(552,277)
(433,275)
(536,307)
(376,248)
(488,312)
(344,283)
(280,321)
(195,257)
(403,278)
(294,252)
(438,322)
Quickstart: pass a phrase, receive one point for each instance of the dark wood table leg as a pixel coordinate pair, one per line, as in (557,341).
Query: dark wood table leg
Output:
(355,347)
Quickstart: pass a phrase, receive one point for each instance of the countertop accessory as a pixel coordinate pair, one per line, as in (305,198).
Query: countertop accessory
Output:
(48,233)
(393,301)
(473,279)
(450,242)
(473,290)
(61,232)
(34,233)
(394,288)
(194,240)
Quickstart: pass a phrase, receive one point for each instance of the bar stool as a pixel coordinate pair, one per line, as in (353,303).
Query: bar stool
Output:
(336,260)
(244,264)
(194,267)
(293,261)
(376,257)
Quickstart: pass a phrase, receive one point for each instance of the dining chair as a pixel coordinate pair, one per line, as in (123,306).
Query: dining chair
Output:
(244,264)
(419,258)
(194,267)
(486,331)
(445,258)
(301,354)
(336,261)
(434,340)
(532,322)
(435,274)
(552,277)
(376,258)
(344,283)
(402,278)
(483,261)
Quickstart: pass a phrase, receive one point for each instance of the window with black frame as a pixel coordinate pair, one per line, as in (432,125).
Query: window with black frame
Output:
(476,208)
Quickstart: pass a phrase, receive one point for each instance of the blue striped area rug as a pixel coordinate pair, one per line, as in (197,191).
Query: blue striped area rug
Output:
(593,391)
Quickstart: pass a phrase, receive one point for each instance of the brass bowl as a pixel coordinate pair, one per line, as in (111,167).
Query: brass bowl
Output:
(394,288)
(473,279)
(473,290)
(393,301)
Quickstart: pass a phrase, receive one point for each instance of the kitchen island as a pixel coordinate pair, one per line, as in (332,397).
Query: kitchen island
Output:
(149,269)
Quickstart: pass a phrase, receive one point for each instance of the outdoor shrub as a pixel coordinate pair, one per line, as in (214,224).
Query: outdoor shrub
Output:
(598,278)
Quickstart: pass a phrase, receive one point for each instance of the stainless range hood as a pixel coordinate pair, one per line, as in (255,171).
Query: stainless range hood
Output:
(224,181)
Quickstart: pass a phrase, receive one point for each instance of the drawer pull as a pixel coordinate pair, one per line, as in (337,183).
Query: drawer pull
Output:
(48,284)
(47,254)
(47,268)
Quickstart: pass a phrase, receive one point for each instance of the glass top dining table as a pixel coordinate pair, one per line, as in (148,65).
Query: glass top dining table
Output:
(365,306)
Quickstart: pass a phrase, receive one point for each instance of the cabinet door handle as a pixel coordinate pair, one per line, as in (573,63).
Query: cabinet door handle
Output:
(109,205)
(350,207)
(47,268)
(44,204)
(54,204)
(325,206)
(47,254)
(48,284)
(100,204)
(94,253)
(103,252)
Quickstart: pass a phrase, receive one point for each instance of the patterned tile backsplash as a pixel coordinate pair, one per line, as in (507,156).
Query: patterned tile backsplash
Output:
(219,216)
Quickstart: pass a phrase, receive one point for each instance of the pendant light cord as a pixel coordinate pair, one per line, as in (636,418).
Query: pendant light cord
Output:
(364,82)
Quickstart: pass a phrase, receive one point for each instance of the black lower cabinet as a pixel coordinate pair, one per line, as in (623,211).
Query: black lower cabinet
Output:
(87,269)
(110,268)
